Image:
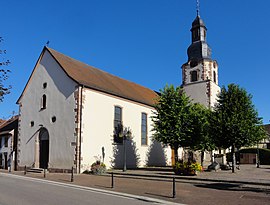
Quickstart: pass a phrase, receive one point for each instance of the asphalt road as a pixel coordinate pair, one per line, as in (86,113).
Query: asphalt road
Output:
(26,191)
(92,189)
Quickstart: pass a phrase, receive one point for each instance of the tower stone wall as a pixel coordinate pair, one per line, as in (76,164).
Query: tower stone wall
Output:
(200,72)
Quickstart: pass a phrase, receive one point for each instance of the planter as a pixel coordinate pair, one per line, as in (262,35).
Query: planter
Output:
(98,168)
(187,169)
(192,173)
(185,172)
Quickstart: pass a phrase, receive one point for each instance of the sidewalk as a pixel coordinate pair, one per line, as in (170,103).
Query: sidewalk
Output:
(248,174)
(157,183)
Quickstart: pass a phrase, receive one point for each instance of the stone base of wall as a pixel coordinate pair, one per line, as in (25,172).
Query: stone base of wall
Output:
(56,170)
(51,170)
(22,168)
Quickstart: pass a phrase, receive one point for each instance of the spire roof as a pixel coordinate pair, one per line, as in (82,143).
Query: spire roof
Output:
(199,49)
(198,22)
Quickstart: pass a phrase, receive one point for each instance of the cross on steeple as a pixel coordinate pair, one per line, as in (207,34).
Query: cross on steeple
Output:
(198,7)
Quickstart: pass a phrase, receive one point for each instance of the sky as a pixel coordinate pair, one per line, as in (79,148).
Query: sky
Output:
(143,41)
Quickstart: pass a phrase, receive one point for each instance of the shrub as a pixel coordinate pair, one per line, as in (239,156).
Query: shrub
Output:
(187,168)
(98,168)
(196,167)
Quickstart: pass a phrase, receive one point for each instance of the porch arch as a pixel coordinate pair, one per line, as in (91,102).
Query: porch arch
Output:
(43,148)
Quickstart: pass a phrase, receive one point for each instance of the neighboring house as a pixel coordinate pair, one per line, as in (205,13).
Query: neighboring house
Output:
(266,142)
(68,113)
(2,121)
(8,143)
(250,157)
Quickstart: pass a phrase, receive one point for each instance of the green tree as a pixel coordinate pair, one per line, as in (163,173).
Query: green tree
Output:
(172,120)
(4,90)
(201,139)
(235,122)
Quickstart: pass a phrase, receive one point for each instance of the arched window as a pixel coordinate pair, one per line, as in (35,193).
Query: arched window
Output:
(44,85)
(215,76)
(43,102)
(144,129)
(118,127)
(194,76)
(195,35)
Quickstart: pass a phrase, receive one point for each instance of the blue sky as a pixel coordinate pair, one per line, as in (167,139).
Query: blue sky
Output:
(144,41)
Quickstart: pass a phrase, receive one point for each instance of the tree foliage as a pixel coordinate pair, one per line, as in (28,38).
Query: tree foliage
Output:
(4,63)
(172,120)
(201,139)
(235,122)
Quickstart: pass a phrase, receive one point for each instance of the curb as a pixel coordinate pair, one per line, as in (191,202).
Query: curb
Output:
(191,179)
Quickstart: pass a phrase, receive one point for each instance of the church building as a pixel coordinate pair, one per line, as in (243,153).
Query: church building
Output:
(69,113)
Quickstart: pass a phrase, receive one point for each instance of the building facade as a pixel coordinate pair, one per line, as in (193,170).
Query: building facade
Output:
(8,143)
(69,112)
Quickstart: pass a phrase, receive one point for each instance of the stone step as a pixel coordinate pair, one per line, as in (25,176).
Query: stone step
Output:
(35,170)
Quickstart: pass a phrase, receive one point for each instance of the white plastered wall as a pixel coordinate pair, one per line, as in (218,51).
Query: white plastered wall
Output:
(60,103)
(198,92)
(206,88)
(215,90)
(98,126)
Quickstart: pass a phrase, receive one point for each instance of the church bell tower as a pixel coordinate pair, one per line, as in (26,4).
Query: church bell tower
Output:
(200,72)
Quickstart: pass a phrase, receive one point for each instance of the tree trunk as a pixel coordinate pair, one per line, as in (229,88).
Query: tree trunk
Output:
(202,157)
(176,153)
(233,158)
(212,156)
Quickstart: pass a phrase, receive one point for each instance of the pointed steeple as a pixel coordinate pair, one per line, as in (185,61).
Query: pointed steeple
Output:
(198,30)
(198,49)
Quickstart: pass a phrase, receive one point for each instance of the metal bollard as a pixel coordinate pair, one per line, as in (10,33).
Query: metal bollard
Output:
(173,195)
(112,181)
(44,173)
(72,177)
(24,170)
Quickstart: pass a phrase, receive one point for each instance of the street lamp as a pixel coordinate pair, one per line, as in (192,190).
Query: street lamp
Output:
(258,152)
(126,135)
(258,156)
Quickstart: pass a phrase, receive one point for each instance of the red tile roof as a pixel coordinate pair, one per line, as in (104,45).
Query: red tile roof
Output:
(102,81)
(4,123)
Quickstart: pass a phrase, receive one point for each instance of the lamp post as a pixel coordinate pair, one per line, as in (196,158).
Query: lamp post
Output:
(258,156)
(258,152)
(126,135)
(125,155)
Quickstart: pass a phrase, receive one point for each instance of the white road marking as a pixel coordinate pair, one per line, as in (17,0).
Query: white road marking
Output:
(101,191)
